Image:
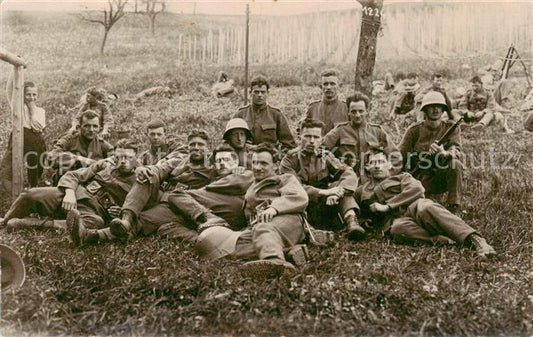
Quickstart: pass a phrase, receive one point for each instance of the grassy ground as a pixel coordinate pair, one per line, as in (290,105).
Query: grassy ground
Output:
(153,287)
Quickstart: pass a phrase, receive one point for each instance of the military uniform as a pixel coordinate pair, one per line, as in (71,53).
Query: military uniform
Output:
(267,124)
(262,240)
(149,201)
(419,114)
(442,174)
(64,152)
(351,144)
(97,188)
(155,154)
(411,216)
(321,172)
(481,102)
(331,113)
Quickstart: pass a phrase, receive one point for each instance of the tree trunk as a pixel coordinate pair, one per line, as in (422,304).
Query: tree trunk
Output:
(366,54)
(106,31)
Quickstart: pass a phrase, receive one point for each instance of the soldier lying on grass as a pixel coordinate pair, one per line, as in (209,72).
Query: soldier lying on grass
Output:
(93,194)
(396,204)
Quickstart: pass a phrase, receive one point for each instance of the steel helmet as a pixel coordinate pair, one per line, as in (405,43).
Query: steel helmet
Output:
(434,97)
(12,268)
(237,123)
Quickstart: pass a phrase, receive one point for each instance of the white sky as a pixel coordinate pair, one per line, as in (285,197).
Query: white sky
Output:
(223,7)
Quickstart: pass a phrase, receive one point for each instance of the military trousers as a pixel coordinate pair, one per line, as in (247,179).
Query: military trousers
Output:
(270,240)
(426,220)
(326,217)
(448,177)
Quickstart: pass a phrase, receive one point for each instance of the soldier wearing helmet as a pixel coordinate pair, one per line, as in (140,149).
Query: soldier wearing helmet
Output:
(237,134)
(438,167)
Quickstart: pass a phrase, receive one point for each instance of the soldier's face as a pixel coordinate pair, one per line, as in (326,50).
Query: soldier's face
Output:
(259,94)
(30,95)
(237,139)
(433,112)
(126,160)
(378,166)
(437,82)
(330,86)
(311,139)
(225,162)
(156,136)
(263,165)
(197,149)
(357,113)
(476,86)
(90,127)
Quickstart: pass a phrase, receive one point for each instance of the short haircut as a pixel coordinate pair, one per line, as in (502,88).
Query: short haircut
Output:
(476,79)
(412,75)
(259,80)
(309,123)
(127,144)
(225,147)
(198,133)
(89,114)
(155,124)
(329,72)
(437,75)
(29,84)
(265,147)
(400,76)
(356,97)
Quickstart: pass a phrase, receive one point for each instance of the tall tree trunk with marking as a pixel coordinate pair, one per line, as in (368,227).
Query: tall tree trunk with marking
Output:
(366,54)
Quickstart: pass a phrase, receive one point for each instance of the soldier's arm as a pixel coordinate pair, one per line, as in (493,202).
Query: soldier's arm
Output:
(72,179)
(289,164)
(454,144)
(233,184)
(293,198)
(346,176)
(331,139)
(285,136)
(108,121)
(407,145)
(411,190)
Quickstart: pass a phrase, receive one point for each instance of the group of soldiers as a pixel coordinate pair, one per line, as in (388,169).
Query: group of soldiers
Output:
(261,195)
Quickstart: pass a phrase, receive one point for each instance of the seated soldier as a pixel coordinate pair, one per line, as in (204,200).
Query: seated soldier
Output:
(349,141)
(238,136)
(436,85)
(146,207)
(403,99)
(274,207)
(160,145)
(98,100)
(329,183)
(478,105)
(97,192)
(396,203)
(82,149)
(438,167)
(200,208)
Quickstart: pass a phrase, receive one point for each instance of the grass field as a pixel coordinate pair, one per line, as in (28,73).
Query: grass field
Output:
(153,287)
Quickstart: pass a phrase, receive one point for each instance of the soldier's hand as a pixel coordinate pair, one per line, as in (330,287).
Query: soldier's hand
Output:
(238,170)
(266,215)
(114,211)
(337,191)
(85,162)
(379,208)
(332,200)
(69,200)
(434,148)
(143,174)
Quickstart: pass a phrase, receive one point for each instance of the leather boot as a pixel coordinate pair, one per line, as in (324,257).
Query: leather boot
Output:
(483,249)
(123,228)
(78,232)
(354,230)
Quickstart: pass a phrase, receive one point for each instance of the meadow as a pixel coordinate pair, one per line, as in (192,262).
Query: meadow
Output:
(155,287)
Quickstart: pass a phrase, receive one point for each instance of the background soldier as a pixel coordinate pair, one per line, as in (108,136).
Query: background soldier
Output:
(238,136)
(397,203)
(438,167)
(350,140)
(436,85)
(160,145)
(329,183)
(330,109)
(267,124)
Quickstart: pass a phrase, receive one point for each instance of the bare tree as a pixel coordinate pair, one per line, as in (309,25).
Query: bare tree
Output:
(152,11)
(366,55)
(112,14)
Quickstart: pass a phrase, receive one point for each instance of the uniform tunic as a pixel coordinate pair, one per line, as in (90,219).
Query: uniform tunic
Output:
(411,216)
(437,177)
(267,124)
(316,173)
(331,113)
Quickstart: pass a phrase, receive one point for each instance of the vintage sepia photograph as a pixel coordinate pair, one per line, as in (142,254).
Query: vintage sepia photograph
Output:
(266,168)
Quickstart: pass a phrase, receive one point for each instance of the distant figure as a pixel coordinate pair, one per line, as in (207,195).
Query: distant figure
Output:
(403,101)
(34,122)
(223,86)
(159,90)
(436,85)
(98,100)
